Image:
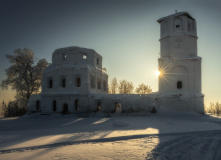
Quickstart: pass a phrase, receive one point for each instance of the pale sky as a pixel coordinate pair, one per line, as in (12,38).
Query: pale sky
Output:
(124,32)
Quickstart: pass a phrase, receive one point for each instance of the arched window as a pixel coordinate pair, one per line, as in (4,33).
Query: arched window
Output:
(54,106)
(179,84)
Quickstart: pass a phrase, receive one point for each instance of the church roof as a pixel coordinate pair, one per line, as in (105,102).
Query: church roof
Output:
(176,15)
(74,49)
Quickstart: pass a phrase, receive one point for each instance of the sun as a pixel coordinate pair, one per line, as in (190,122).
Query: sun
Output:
(157,73)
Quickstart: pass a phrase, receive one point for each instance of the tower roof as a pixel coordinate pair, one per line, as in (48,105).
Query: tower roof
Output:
(176,15)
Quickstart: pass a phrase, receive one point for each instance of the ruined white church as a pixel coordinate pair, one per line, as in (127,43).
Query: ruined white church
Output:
(75,82)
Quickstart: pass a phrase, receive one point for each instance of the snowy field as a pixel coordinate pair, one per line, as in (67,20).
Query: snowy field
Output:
(57,137)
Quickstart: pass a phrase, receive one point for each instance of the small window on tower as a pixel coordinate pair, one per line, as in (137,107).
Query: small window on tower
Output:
(179,84)
(97,61)
(178,24)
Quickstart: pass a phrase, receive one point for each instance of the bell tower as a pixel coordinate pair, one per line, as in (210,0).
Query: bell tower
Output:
(179,64)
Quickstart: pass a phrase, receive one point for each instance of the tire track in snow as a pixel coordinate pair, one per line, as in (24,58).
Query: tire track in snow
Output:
(192,146)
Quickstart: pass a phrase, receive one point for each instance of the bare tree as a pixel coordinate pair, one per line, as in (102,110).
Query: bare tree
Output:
(113,86)
(125,87)
(4,108)
(214,108)
(143,89)
(23,76)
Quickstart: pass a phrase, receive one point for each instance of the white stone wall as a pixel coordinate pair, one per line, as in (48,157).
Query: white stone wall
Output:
(179,102)
(188,71)
(89,103)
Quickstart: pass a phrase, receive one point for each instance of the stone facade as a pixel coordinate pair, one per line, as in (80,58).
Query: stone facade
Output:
(178,60)
(180,67)
(75,82)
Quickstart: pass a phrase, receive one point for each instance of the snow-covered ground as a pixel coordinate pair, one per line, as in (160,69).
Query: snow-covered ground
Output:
(182,136)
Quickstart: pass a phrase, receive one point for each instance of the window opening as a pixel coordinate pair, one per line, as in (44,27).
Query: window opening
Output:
(37,105)
(65,109)
(98,84)
(92,82)
(179,84)
(178,24)
(97,61)
(54,106)
(189,27)
(76,105)
(63,83)
(78,82)
(98,105)
(84,56)
(64,56)
(50,83)
(118,107)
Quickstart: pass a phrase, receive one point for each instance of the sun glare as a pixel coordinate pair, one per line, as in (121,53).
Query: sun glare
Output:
(157,73)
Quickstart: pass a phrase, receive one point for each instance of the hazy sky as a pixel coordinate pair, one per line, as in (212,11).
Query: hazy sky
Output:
(124,32)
